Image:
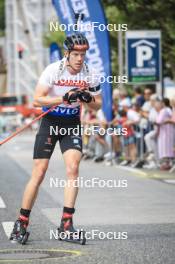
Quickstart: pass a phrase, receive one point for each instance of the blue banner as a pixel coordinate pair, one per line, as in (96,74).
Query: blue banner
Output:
(98,56)
(55,52)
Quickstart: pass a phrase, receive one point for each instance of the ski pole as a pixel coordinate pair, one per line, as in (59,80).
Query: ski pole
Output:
(18,131)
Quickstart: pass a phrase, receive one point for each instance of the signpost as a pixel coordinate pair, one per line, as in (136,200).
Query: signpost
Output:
(143,57)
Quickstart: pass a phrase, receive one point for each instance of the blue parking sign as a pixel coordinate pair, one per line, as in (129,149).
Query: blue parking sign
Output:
(143,56)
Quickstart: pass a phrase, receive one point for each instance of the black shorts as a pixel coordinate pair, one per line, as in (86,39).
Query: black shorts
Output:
(52,129)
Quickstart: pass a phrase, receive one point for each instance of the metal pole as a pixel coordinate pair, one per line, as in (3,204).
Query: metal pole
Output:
(142,143)
(120,56)
(110,146)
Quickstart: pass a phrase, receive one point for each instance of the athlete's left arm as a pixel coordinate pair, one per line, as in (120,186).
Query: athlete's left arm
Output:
(96,103)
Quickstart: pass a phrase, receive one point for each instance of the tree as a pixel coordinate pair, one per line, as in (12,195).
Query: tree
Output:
(147,14)
(54,36)
(2,17)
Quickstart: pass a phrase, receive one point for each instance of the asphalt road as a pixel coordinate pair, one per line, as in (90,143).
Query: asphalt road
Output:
(141,216)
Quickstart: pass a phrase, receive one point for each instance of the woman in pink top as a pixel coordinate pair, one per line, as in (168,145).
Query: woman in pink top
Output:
(172,119)
(173,108)
(166,134)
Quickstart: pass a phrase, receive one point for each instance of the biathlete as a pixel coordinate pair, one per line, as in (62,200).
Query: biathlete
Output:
(64,84)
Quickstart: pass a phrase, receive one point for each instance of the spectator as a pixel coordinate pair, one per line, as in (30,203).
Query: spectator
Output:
(172,120)
(166,135)
(116,95)
(97,144)
(88,118)
(151,137)
(154,119)
(144,125)
(138,98)
(115,151)
(129,139)
(123,98)
(146,109)
(132,119)
(147,104)
(101,144)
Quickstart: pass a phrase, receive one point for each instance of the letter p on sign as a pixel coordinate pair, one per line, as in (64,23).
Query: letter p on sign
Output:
(143,53)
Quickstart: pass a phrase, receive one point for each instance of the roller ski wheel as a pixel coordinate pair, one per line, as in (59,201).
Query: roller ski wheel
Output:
(78,237)
(82,237)
(19,233)
(68,233)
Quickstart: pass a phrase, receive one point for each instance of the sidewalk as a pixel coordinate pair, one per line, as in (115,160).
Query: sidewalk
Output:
(155,174)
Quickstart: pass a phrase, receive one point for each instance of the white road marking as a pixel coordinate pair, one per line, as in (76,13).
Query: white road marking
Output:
(2,204)
(172,181)
(8,227)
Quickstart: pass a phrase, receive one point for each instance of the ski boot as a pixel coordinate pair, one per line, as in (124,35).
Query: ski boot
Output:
(66,231)
(19,233)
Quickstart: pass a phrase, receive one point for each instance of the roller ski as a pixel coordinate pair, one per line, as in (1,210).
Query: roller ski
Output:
(66,231)
(19,233)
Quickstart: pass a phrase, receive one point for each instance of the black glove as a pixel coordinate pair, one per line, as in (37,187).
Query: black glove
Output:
(85,97)
(71,97)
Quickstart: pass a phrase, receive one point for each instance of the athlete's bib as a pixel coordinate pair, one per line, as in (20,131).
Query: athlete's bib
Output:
(63,111)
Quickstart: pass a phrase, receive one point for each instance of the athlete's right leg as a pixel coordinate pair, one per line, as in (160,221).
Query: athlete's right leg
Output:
(43,149)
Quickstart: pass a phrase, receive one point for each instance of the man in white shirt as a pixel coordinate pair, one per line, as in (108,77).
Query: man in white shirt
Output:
(66,84)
